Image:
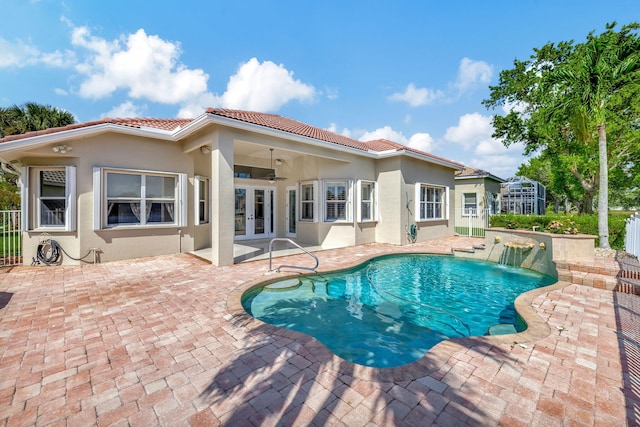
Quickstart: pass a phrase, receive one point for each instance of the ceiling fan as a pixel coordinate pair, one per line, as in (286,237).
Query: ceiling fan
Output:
(272,174)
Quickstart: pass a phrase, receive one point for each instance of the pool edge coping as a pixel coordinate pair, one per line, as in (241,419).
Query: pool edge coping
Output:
(434,359)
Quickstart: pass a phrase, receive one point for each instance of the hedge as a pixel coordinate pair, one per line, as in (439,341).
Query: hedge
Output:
(585,224)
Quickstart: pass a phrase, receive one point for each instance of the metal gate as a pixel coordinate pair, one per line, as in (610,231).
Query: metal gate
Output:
(471,222)
(11,236)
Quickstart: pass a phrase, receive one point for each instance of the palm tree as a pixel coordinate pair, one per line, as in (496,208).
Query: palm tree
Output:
(31,117)
(600,67)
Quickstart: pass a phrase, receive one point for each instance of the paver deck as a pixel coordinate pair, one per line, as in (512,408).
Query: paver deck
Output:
(156,341)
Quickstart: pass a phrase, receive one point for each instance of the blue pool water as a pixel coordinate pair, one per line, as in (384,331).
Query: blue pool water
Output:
(393,309)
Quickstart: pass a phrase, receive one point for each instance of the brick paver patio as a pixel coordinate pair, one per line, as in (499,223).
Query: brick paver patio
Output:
(159,341)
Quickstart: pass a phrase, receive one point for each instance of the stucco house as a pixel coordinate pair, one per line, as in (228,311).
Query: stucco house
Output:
(477,198)
(130,188)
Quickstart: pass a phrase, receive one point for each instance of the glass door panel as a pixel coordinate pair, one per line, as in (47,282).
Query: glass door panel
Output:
(254,212)
(241,211)
(291,211)
(258,211)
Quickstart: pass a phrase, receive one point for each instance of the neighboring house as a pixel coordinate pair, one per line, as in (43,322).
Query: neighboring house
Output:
(477,198)
(146,187)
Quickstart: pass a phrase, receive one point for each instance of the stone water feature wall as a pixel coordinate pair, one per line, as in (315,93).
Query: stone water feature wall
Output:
(533,249)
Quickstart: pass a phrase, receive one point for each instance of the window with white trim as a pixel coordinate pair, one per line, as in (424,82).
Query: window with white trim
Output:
(308,201)
(367,199)
(469,204)
(131,198)
(55,193)
(432,202)
(337,201)
(201,190)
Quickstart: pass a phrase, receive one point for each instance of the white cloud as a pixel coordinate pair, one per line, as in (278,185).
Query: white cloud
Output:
(126,109)
(416,97)
(472,128)
(332,93)
(146,66)
(419,141)
(60,91)
(473,133)
(384,133)
(20,54)
(334,128)
(264,87)
(473,73)
(256,86)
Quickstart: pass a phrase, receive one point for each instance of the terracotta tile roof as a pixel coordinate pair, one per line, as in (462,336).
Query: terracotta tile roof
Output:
(285,124)
(469,172)
(272,121)
(163,124)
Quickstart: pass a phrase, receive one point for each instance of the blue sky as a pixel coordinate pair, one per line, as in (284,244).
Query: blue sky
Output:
(414,72)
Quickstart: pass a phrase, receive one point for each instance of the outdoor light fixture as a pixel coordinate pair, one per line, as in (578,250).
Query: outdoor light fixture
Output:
(272,176)
(205,149)
(62,149)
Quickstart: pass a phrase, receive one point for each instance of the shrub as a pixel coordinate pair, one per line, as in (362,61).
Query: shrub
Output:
(562,227)
(585,224)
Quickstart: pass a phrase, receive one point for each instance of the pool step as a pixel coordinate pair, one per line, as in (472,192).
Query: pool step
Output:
(502,329)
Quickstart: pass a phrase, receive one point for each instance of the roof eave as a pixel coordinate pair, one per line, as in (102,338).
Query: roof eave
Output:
(71,134)
(424,157)
(251,127)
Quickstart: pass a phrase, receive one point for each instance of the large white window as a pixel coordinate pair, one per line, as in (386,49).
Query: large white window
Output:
(469,204)
(130,198)
(367,199)
(432,202)
(201,192)
(308,201)
(55,193)
(337,199)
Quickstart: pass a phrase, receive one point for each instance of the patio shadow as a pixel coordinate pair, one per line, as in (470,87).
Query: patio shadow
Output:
(284,377)
(627,309)
(5,297)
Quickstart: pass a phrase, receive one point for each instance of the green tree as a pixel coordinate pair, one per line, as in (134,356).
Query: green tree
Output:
(561,99)
(31,116)
(22,119)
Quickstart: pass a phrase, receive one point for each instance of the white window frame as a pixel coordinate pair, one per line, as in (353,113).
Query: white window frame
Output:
(348,210)
(419,203)
(313,202)
(198,183)
(70,209)
(465,209)
(101,203)
(373,201)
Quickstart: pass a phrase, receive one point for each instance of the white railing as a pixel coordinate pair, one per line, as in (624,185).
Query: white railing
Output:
(11,237)
(632,237)
(471,222)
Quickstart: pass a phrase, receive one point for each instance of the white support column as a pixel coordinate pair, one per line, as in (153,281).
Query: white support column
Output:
(222,200)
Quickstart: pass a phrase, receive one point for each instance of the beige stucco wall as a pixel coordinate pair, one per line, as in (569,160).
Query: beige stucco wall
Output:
(118,152)
(414,172)
(395,176)
(533,249)
(479,186)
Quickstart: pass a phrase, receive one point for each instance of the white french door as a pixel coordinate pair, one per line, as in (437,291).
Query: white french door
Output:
(291,215)
(254,211)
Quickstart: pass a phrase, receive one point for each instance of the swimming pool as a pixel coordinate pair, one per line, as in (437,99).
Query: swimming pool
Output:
(391,310)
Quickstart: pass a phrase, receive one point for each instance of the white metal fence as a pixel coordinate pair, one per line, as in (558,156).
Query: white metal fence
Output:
(11,237)
(471,222)
(632,237)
